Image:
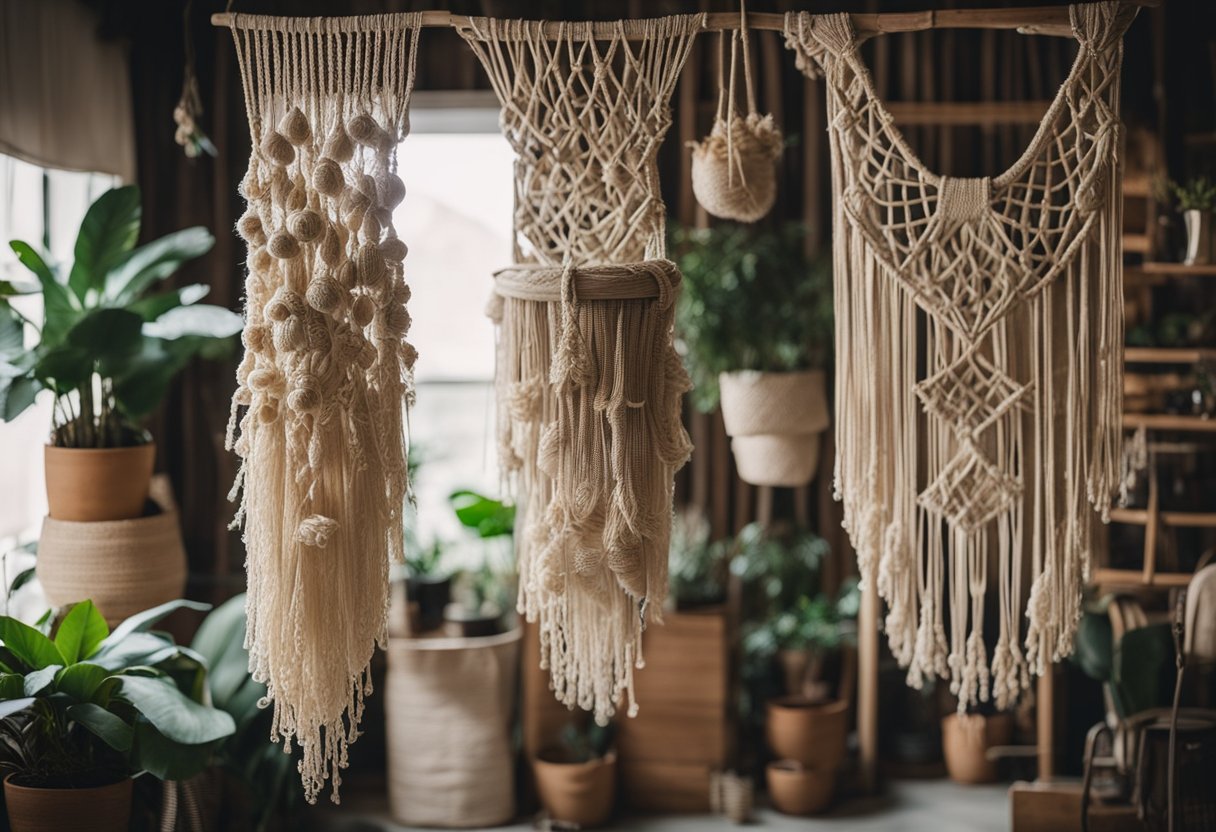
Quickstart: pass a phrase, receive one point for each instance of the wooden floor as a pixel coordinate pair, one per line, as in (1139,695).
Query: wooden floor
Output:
(906,806)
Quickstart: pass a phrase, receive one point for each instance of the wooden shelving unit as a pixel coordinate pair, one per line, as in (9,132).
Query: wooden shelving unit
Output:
(1166,355)
(1167,421)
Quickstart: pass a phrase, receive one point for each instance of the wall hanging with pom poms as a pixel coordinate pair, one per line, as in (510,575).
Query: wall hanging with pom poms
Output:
(327,374)
(979,338)
(588,381)
(734,168)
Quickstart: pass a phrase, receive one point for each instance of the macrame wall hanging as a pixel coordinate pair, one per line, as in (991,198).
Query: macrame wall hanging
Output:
(327,373)
(734,168)
(588,381)
(979,338)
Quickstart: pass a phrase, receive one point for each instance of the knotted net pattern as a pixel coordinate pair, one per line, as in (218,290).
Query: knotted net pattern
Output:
(979,361)
(588,381)
(326,374)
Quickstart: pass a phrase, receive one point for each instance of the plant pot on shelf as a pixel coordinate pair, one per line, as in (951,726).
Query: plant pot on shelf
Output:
(966,739)
(576,793)
(432,595)
(811,732)
(794,789)
(123,566)
(97,809)
(774,421)
(1198,237)
(86,485)
(461,622)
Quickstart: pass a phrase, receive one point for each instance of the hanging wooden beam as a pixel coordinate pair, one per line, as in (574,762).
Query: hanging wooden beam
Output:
(1045,20)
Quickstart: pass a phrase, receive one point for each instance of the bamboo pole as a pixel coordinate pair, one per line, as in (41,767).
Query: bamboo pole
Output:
(1046,20)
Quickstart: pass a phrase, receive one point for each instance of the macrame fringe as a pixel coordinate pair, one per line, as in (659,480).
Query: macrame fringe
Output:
(327,373)
(979,338)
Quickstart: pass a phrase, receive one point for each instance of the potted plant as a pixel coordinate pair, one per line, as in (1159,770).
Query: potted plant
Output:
(107,350)
(797,789)
(697,568)
(85,709)
(1196,199)
(427,587)
(754,322)
(576,781)
(966,739)
(484,594)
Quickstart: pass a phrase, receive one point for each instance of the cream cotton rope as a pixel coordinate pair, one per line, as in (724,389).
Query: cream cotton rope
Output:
(327,374)
(588,381)
(978,362)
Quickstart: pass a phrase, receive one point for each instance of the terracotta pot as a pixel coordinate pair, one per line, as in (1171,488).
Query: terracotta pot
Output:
(123,566)
(965,743)
(813,733)
(794,789)
(578,793)
(774,421)
(86,485)
(100,809)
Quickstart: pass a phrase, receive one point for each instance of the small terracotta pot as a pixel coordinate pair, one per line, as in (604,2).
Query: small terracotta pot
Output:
(578,793)
(99,809)
(86,485)
(813,733)
(774,421)
(794,789)
(965,743)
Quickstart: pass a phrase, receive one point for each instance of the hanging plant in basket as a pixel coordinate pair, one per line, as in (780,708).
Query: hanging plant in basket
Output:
(734,168)
(755,324)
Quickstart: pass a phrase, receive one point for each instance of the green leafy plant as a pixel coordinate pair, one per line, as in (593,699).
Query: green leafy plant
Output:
(425,564)
(584,740)
(751,300)
(484,515)
(697,568)
(256,770)
(778,566)
(106,347)
(1195,194)
(88,706)
(487,590)
(817,625)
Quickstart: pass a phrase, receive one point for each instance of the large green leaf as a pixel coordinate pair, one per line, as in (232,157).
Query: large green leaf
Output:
(62,367)
(17,394)
(1141,670)
(10,288)
(81,680)
(108,727)
(107,333)
(12,686)
(141,622)
(200,320)
(165,759)
(60,309)
(37,681)
(489,517)
(81,631)
(12,334)
(29,645)
(153,306)
(143,381)
(172,713)
(137,649)
(220,640)
(108,231)
(154,262)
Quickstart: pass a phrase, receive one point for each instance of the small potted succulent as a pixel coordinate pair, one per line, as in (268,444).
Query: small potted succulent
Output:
(576,781)
(1196,199)
(84,710)
(483,595)
(754,322)
(107,349)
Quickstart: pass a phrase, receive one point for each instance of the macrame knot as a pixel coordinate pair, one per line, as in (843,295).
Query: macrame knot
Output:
(268,413)
(265,380)
(348,275)
(524,400)
(570,362)
(289,335)
(324,294)
(294,127)
(370,266)
(277,148)
(339,146)
(305,225)
(495,305)
(249,226)
(327,177)
(283,246)
(316,530)
(371,228)
(396,320)
(364,130)
(305,396)
(392,190)
(362,311)
(331,247)
(394,249)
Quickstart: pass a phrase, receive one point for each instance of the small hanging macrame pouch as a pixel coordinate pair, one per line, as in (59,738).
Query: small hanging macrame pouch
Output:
(327,374)
(588,381)
(734,168)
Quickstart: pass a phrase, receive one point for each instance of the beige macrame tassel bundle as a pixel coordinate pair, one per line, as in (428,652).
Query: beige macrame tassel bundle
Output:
(588,380)
(327,374)
(734,168)
(979,338)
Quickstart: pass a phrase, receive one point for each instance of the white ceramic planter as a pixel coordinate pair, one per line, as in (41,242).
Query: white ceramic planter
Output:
(775,421)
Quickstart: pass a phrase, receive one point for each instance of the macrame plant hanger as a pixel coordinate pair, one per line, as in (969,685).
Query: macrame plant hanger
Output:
(979,337)
(588,381)
(327,374)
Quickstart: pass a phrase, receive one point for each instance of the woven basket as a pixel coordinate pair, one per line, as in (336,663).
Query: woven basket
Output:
(449,703)
(774,421)
(123,566)
(737,179)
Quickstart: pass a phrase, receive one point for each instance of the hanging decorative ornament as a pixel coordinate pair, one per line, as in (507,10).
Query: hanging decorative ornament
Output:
(327,374)
(588,381)
(979,338)
(734,169)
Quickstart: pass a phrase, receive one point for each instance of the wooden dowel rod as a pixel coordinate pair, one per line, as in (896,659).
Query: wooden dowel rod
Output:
(1035,19)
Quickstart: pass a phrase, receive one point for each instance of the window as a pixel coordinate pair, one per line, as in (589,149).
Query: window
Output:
(456,218)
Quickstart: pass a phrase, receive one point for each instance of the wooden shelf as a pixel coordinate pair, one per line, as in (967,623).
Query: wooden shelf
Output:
(1135,577)
(1165,355)
(1177,269)
(961,113)
(1165,421)
(1177,519)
